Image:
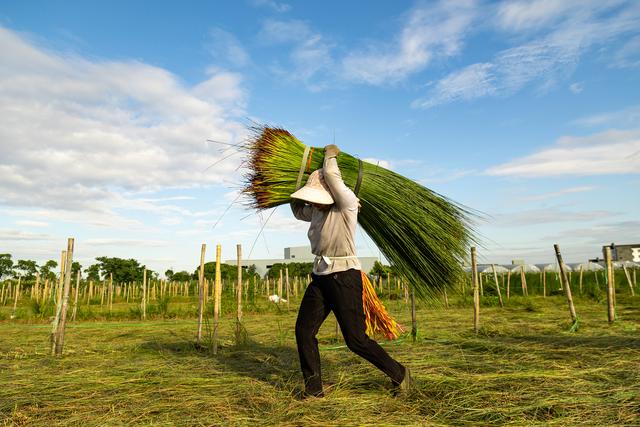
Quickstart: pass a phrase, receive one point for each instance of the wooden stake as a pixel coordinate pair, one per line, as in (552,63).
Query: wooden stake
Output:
(414,322)
(476,291)
(544,283)
(56,319)
(495,277)
(611,310)
(581,268)
(15,299)
(286,275)
(201,291)
(217,297)
(37,285)
(567,287)
(523,282)
(239,290)
(144,294)
(59,335)
(508,283)
(75,297)
(110,292)
(626,274)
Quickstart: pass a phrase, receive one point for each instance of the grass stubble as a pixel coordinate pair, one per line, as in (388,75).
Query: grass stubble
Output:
(523,368)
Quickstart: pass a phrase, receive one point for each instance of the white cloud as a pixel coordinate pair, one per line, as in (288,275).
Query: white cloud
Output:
(475,81)
(76,133)
(548,216)
(276,6)
(382,163)
(224,46)
(547,58)
(628,56)
(521,15)
(576,88)
(310,57)
(29,223)
(10,235)
(627,117)
(430,32)
(610,152)
(559,193)
(124,242)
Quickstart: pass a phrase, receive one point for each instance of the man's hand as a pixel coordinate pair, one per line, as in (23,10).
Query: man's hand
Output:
(331,151)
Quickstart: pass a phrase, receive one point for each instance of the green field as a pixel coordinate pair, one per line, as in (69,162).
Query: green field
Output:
(523,368)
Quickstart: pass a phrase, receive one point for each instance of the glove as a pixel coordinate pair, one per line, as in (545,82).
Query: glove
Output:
(331,151)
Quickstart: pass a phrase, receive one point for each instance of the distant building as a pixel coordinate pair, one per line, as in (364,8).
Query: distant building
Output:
(624,252)
(295,254)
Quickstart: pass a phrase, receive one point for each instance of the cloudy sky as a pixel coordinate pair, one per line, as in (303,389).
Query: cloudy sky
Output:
(528,111)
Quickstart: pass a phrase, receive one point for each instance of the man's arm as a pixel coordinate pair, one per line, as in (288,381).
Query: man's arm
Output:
(343,196)
(301,210)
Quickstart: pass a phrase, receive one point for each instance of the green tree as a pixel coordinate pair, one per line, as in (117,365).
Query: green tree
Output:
(27,269)
(181,276)
(380,269)
(168,274)
(227,271)
(6,265)
(46,270)
(123,270)
(93,272)
(75,267)
(295,269)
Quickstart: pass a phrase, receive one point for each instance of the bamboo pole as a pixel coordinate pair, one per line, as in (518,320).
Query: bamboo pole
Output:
(75,297)
(286,276)
(110,292)
(59,335)
(414,322)
(280,285)
(480,281)
(611,313)
(201,292)
(567,287)
(626,274)
(476,291)
(495,277)
(508,284)
(239,296)
(37,286)
(544,283)
(144,294)
(581,271)
(217,296)
(56,319)
(523,282)
(15,299)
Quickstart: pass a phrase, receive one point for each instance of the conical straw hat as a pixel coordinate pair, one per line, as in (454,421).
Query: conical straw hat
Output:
(315,190)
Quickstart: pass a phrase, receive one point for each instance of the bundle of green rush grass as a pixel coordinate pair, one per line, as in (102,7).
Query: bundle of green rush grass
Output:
(423,234)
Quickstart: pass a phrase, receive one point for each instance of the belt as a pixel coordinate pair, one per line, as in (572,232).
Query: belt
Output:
(329,259)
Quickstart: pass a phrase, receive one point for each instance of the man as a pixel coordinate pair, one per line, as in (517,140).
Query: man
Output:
(332,209)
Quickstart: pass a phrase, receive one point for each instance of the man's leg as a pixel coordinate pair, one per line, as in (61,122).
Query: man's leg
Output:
(345,289)
(313,311)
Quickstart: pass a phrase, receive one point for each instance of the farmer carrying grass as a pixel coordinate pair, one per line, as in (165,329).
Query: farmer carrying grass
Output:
(337,281)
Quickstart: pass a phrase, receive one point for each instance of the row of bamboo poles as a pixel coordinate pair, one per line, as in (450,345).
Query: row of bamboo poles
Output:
(565,285)
(210,291)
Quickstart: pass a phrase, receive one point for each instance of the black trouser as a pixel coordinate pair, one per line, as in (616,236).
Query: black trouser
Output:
(342,294)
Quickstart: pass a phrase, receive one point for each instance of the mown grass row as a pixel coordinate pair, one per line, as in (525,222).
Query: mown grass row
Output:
(523,368)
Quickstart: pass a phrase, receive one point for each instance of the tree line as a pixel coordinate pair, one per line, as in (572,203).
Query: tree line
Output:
(130,270)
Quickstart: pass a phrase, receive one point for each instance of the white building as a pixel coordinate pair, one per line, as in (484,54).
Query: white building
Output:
(295,254)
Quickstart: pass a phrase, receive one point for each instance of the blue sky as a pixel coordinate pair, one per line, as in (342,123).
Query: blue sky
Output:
(527,111)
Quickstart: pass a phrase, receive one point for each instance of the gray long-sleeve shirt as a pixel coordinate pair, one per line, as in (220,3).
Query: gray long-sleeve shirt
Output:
(332,232)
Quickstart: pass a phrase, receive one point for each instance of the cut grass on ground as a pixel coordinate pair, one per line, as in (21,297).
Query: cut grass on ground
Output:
(523,368)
